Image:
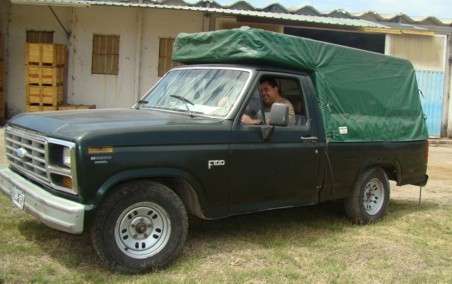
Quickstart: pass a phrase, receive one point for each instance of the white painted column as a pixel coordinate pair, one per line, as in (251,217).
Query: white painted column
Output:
(446,100)
(138,53)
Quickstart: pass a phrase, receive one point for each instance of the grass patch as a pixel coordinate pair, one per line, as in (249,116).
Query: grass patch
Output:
(313,244)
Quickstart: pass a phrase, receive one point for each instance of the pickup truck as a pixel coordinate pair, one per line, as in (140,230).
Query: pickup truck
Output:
(130,177)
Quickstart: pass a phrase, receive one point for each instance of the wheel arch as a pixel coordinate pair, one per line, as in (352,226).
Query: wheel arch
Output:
(391,168)
(182,183)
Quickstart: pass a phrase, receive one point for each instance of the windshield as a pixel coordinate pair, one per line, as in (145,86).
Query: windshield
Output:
(211,92)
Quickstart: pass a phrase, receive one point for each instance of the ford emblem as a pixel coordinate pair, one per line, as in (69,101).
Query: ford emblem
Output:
(21,153)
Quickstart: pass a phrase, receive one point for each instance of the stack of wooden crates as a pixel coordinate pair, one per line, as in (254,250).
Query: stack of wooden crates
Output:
(2,81)
(45,76)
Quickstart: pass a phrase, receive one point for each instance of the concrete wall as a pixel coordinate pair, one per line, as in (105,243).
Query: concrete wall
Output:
(23,18)
(429,57)
(139,32)
(102,90)
(425,52)
(162,23)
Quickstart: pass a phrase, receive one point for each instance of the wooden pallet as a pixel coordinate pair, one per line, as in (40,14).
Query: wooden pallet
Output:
(34,108)
(45,76)
(45,95)
(74,107)
(44,54)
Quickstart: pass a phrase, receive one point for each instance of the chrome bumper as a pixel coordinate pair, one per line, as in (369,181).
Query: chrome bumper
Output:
(56,212)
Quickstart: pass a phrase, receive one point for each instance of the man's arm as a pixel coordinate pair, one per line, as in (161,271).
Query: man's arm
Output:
(246,119)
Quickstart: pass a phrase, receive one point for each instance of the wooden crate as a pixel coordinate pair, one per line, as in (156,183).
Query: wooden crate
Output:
(45,76)
(45,95)
(34,108)
(74,107)
(45,54)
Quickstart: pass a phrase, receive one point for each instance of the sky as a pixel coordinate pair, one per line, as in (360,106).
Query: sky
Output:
(415,8)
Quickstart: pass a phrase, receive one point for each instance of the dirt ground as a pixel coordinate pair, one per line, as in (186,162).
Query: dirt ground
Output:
(439,186)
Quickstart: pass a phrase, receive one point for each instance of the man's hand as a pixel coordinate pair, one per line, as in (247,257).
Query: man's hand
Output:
(246,119)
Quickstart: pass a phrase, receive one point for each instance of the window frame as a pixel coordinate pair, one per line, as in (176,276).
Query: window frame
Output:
(276,75)
(28,36)
(115,69)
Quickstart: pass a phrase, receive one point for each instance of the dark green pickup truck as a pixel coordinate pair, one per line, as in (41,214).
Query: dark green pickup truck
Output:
(131,176)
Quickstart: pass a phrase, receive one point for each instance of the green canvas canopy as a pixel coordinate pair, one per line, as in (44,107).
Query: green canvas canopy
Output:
(363,96)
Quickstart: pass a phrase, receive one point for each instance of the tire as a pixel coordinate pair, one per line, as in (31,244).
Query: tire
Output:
(141,226)
(370,197)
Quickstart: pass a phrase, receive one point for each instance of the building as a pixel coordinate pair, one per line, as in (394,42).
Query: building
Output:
(118,49)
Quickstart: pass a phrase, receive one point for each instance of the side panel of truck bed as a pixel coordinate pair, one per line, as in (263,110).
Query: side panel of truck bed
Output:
(404,162)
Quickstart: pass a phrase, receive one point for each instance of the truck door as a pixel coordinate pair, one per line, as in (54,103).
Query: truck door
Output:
(281,170)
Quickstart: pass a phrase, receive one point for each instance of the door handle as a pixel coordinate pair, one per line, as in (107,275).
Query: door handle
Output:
(311,139)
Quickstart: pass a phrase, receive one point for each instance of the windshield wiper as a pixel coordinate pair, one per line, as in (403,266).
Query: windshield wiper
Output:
(187,103)
(140,102)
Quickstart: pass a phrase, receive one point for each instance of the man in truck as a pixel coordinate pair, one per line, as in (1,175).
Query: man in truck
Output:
(270,93)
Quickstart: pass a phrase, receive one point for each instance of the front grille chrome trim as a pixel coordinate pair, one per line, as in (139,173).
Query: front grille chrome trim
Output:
(35,162)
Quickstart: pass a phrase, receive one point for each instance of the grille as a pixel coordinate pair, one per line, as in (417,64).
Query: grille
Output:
(26,152)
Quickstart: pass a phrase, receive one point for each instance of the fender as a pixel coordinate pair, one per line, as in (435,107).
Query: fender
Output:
(127,175)
(385,165)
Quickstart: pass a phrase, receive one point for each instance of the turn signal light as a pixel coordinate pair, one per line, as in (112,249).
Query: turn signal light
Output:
(67,182)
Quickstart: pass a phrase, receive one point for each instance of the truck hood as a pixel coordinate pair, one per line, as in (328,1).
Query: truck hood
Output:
(120,126)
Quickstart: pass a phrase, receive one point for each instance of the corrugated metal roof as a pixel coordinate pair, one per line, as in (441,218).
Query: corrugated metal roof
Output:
(273,11)
(279,15)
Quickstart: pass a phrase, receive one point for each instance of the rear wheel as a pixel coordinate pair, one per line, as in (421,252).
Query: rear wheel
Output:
(370,197)
(141,226)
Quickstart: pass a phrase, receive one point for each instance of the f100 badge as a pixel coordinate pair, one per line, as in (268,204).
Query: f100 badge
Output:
(215,163)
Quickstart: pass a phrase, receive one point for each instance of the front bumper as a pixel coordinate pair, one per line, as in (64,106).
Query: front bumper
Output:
(56,212)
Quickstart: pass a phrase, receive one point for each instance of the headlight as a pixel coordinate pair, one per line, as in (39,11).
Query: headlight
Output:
(61,169)
(67,157)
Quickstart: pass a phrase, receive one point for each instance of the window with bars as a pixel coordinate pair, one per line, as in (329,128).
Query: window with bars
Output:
(105,54)
(39,37)
(165,53)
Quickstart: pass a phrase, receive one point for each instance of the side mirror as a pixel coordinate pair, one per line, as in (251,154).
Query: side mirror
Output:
(279,114)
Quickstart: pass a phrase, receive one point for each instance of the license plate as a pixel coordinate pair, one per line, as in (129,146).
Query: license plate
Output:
(18,198)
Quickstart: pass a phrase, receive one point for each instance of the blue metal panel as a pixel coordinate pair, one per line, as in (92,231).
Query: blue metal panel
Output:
(431,83)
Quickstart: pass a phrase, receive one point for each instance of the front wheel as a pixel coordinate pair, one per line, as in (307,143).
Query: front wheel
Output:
(370,197)
(141,226)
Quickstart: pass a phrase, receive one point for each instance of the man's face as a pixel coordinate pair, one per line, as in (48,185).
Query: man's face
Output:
(269,94)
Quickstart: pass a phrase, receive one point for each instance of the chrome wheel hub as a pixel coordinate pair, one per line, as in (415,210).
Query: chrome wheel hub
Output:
(142,230)
(373,197)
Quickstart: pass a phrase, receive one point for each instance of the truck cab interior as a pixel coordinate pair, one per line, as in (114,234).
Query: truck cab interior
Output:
(289,88)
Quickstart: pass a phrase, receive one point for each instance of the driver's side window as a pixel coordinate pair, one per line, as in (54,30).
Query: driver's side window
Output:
(253,114)
(279,89)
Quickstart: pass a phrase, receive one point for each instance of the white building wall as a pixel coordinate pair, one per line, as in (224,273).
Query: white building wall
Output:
(83,22)
(162,23)
(99,89)
(120,91)
(23,18)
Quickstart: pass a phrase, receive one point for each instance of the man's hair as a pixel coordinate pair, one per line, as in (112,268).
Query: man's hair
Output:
(270,80)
